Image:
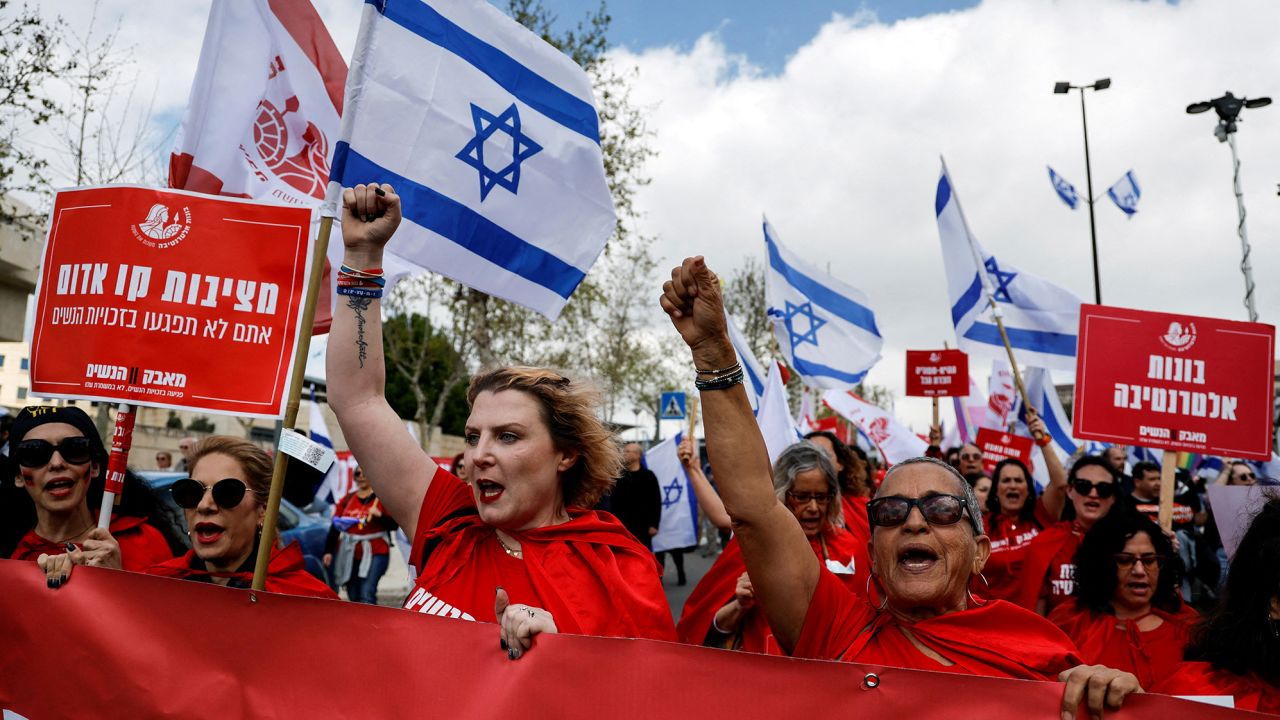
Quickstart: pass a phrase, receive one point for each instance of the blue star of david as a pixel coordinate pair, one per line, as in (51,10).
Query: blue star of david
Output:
(667,498)
(522,148)
(806,310)
(1002,279)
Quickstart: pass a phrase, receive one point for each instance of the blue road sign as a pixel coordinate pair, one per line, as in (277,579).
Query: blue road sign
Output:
(672,406)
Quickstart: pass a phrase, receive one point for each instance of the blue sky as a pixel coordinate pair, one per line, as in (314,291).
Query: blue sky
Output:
(767,32)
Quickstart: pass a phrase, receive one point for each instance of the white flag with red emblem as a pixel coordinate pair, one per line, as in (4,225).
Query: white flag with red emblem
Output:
(894,441)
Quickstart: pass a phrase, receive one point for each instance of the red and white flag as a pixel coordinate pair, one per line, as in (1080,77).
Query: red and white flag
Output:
(894,441)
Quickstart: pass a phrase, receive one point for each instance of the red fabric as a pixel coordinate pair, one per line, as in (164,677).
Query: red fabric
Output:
(141,545)
(1200,678)
(996,639)
(147,647)
(589,573)
(350,506)
(286,573)
(716,589)
(1151,655)
(1048,556)
(1010,537)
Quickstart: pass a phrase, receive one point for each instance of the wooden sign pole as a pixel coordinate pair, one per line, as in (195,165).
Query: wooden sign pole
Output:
(1167,465)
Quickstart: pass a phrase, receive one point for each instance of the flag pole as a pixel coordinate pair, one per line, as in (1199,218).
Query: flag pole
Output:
(117,463)
(979,265)
(300,354)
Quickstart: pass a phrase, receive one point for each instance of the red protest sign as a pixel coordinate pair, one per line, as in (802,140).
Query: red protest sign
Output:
(997,446)
(937,373)
(1175,382)
(170,299)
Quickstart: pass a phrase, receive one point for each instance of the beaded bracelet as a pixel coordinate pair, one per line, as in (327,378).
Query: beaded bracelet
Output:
(720,383)
(721,371)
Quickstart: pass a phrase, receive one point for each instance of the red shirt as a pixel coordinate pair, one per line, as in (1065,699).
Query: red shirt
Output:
(1010,536)
(1047,568)
(1200,678)
(589,573)
(718,587)
(286,573)
(996,639)
(1151,655)
(353,507)
(141,545)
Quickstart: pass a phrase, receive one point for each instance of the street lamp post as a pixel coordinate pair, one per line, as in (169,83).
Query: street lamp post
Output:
(1228,108)
(1062,88)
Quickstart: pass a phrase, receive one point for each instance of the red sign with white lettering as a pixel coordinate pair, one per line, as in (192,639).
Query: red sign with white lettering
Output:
(997,446)
(1175,382)
(170,298)
(937,373)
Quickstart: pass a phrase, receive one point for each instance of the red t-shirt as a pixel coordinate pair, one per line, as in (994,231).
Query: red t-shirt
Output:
(996,639)
(353,507)
(589,573)
(286,573)
(1060,581)
(1151,655)
(141,545)
(1200,678)
(1010,537)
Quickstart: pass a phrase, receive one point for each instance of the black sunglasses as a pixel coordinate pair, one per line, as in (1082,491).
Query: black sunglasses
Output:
(1084,487)
(937,509)
(227,492)
(37,453)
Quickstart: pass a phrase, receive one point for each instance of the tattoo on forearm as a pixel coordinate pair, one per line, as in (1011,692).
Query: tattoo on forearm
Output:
(358,305)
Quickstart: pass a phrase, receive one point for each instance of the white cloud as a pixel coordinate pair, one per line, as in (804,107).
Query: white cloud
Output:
(841,150)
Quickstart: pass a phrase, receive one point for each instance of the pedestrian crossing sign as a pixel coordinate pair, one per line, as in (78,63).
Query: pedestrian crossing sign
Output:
(672,406)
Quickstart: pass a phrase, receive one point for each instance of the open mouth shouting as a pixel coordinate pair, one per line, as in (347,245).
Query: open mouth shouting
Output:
(60,488)
(489,491)
(208,533)
(917,558)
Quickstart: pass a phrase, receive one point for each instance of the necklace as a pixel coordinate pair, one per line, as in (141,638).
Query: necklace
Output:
(73,536)
(517,554)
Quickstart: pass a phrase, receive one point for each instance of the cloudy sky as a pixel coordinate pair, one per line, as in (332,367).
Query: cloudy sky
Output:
(830,117)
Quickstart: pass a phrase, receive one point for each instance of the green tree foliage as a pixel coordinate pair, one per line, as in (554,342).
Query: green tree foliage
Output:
(426,372)
(201,424)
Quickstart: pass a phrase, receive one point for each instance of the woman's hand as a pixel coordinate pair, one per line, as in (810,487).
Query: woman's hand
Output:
(327,559)
(99,549)
(693,301)
(1099,687)
(518,624)
(684,451)
(744,593)
(372,214)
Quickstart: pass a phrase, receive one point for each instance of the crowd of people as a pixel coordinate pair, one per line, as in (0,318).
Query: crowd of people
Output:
(932,564)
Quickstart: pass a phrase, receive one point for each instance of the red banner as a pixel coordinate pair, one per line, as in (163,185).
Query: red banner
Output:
(937,373)
(997,446)
(170,299)
(1175,382)
(117,644)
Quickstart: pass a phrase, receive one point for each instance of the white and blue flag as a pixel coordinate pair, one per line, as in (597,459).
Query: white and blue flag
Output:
(1041,319)
(751,367)
(489,135)
(825,328)
(1043,398)
(774,416)
(1065,190)
(679,525)
(1125,193)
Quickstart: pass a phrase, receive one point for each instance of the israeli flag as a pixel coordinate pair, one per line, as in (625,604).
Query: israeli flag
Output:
(489,135)
(330,490)
(1065,190)
(826,330)
(678,527)
(774,416)
(1125,193)
(750,365)
(1041,319)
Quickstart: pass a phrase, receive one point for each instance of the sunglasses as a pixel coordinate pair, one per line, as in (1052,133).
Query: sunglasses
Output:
(37,453)
(227,492)
(937,509)
(1124,561)
(802,499)
(966,456)
(1084,487)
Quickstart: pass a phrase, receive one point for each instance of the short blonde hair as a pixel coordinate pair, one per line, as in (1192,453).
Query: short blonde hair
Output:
(570,411)
(255,462)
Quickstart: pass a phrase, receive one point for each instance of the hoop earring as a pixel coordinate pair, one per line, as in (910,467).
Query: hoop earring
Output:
(884,597)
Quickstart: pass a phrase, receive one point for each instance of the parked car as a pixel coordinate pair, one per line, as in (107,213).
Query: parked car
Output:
(308,530)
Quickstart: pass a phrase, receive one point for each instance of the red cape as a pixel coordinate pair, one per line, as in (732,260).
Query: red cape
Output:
(717,588)
(1199,678)
(590,573)
(1103,640)
(141,545)
(1036,563)
(286,573)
